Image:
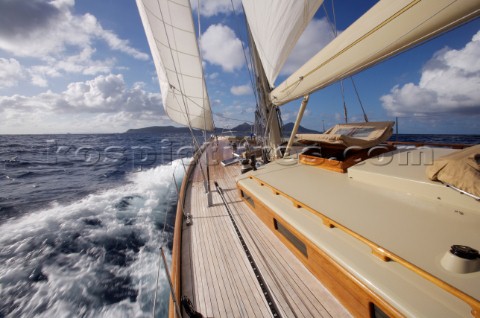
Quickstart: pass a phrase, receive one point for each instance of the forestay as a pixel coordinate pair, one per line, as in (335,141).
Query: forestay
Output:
(276,26)
(386,29)
(171,36)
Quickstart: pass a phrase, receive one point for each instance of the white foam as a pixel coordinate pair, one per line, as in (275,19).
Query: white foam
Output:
(73,246)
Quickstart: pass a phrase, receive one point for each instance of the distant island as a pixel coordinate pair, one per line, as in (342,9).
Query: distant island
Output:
(243,129)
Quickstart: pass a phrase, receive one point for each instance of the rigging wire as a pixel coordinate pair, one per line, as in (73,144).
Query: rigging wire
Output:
(342,88)
(279,118)
(248,63)
(180,89)
(195,142)
(345,111)
(334,31)
(163,244)
(365,117)
(264,117)
(230,118)
(204,89)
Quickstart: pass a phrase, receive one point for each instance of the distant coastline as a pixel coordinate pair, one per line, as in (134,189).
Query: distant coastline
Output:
(243,129)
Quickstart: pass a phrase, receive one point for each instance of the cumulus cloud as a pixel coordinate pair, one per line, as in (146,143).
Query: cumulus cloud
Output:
(81,63)
(215,7)
(220,46)
(102,97)
(317,34)
(10,72)
(449,82)
(241,90)
(62,41)
(213,76)
(36,28)
(107,94)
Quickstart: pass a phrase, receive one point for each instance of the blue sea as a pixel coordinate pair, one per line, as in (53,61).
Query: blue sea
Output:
(82,218)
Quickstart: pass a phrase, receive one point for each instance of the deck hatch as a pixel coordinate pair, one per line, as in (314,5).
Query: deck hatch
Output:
(291,237)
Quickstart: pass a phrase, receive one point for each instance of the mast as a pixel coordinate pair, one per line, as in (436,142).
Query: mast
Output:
(267,114)
(272,41)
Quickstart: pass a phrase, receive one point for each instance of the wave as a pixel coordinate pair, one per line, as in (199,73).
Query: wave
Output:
(98,256)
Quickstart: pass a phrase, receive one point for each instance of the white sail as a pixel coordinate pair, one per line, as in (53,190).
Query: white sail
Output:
(171,35)
(276,26)
(386,29)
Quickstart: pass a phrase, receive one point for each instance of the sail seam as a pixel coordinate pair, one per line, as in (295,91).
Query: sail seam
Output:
(164,22)
(363,37)
(173,49)
(183,74)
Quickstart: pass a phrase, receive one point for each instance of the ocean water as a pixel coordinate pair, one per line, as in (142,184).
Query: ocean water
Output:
(82,218)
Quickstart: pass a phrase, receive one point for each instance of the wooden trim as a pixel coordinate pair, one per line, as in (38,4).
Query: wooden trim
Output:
(355,156)
(324,163)
(382,253)
(351,292)
(176,269)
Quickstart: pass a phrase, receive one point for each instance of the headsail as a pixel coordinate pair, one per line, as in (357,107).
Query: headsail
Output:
(171,36)
(386,29)
(276,26)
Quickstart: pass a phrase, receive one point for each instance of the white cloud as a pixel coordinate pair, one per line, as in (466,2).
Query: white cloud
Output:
(213,76)
(40,29)
(214,7)
(61,40)
(449,82)
(101,99)
(220,46)
(241,90)
(10,72)
(81,63)
(317,34)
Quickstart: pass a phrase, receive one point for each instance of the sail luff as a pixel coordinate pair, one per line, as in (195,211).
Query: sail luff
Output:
(177,61)
(267,113)
(276,26)
(386,29)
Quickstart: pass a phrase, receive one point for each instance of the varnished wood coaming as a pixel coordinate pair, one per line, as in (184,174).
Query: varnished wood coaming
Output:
(351,292)
(378,251)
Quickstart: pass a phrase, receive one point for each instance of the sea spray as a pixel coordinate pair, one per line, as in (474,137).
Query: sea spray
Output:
(97,256)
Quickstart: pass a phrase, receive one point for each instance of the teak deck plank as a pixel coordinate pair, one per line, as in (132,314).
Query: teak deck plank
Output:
(216,274)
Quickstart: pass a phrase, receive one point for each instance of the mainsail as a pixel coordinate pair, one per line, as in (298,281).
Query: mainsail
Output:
(276,26)
(171,36)
(386,29)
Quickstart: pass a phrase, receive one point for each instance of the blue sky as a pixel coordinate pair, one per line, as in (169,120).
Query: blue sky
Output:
(85,67)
